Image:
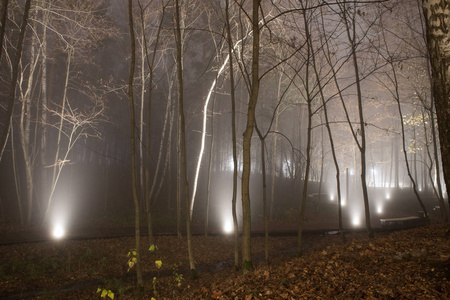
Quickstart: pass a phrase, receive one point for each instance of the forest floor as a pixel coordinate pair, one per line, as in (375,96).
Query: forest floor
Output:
(409,264)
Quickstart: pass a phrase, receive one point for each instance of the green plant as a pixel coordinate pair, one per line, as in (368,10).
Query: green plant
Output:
(178,277)
(132,259)
(105,293)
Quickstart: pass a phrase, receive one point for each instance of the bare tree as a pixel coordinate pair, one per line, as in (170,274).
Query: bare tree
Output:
(233,133)
(15,74)
(179,63)
(137,232)
(247,263)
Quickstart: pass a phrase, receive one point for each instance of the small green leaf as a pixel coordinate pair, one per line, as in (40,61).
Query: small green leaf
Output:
(158,264)
(104,293)
(110,294)
(153,248)
(99,290)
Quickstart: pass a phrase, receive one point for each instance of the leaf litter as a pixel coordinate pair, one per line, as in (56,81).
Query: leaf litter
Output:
(410,264)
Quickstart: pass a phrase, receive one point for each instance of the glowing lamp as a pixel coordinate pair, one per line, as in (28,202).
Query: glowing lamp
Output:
(58,232)
(388,196)
(379,209)
(355,221)
(228,227)
(331,197)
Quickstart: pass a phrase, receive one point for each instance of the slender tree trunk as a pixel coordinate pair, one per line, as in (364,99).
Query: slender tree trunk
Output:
(233,136)
(183,136)
(179,175)
(151,196)
(16,177)
(265,211)
(436,188)
(308,99)
(168,151)
(208,188)
(351,36)
(137,232)
(333,149)
(247,138)
(408,169)
(274,150)
(150,65)
(43,109)
(15,74)
(141,127)
(25,130)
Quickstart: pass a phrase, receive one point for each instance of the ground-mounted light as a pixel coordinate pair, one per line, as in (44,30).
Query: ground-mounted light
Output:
(356,220)
(343,202)
(228,227)
(58,231)
(379,209)
(388,196)
(331,197)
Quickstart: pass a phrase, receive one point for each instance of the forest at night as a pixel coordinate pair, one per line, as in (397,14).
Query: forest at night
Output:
(198,137)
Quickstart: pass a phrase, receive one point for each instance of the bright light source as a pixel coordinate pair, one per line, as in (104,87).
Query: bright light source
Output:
(343,202)
(58,231)
(331,197)
(379,209)
(228,227)
(356,221)
(388,196)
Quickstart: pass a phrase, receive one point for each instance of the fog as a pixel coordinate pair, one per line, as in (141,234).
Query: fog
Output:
(68,157)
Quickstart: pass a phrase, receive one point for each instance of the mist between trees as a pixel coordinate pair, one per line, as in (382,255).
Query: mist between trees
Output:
(223,112)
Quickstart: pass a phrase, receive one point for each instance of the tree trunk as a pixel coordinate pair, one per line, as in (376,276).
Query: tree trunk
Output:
(233,135)
(25,128)
(247,138)
(179,63)
(43,109)
(351,36)
(437,21)
(265,211)
(208,188)
(137,232)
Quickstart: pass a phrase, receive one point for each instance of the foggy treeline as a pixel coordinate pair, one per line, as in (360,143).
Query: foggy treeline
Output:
(302,99)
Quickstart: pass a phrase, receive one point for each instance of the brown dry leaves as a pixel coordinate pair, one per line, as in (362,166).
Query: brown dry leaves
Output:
(403,265)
